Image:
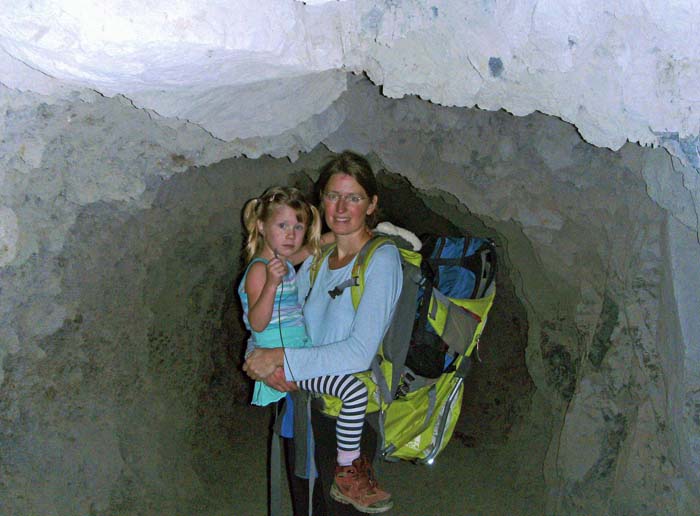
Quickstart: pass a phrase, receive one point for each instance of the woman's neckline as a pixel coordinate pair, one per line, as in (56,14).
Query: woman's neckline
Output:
(334,263)
(339,263)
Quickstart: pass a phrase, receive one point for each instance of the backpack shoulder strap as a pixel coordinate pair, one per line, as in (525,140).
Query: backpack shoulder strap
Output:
(363,259)
(357,275)
(316,264)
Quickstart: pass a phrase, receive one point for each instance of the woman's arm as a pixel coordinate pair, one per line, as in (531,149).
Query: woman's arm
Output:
(383,279)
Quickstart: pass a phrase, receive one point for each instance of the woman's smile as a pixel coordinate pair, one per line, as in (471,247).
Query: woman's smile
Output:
(344,216)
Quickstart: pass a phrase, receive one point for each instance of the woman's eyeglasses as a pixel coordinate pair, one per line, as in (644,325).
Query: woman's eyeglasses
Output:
(352,198)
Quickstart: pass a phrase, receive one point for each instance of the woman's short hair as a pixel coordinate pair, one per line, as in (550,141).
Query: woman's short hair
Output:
(355,166)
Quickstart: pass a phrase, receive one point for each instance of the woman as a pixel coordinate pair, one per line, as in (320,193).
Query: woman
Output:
(344,340)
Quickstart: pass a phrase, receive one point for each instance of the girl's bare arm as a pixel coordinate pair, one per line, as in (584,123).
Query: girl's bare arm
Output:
(303,253)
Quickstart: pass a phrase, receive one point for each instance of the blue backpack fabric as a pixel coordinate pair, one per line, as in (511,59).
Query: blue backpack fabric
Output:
(460,268)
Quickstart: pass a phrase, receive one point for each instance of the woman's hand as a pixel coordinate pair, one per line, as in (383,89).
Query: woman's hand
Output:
(262,362)
(278,380)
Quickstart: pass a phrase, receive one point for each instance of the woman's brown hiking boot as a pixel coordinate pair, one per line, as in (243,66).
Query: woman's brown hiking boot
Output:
(357,485)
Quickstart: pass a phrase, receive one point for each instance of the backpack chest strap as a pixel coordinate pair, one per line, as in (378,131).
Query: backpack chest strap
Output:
(350,282)
(356,282)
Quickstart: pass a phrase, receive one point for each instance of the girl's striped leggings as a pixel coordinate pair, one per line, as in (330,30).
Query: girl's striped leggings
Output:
(353,393)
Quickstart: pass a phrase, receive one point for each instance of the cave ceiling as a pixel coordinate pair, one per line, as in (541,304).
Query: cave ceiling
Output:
(623,71)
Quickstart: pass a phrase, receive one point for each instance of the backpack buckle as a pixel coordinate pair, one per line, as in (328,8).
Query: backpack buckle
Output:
(352,282)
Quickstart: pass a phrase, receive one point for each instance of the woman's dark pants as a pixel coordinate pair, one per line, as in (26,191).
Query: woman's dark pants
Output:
(325,442)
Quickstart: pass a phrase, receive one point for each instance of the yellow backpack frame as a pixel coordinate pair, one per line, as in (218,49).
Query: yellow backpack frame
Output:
(417,425)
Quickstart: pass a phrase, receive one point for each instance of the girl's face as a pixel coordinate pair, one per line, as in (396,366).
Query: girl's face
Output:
(282,232)
(346,205)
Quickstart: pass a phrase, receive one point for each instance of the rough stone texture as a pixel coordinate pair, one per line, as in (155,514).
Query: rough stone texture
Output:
(680,339)
(118,254)
(623,71)
(114,281)
(584,242)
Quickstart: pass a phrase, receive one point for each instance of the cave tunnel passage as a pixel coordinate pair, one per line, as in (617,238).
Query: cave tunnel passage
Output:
(498,387)
(139,398)
(159,338)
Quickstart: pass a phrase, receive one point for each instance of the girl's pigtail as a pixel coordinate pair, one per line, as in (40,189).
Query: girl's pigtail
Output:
(250,221)
(313,240)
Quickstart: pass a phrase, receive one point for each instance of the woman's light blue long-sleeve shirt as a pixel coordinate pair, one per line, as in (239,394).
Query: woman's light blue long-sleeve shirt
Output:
(344,340)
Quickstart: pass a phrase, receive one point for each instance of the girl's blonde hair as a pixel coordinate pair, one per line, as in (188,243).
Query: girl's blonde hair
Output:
(260,209)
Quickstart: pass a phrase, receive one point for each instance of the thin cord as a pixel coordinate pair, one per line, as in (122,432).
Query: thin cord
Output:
(279,327)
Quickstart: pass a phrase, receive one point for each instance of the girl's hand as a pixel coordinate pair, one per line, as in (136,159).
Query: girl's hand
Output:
(328,238)
(276,271)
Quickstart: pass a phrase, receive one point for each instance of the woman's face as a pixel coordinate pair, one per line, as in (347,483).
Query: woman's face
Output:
(346,205)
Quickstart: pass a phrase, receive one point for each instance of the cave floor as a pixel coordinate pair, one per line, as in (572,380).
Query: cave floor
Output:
(464,480)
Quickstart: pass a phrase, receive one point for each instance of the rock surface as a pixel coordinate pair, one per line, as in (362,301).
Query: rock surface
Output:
(624,73)
(120,226)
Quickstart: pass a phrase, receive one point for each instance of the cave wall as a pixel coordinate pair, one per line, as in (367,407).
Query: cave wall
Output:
(120,252)
(584,245)
(678,341)
(114,280)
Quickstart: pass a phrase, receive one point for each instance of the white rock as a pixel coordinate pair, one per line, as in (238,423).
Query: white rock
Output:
(9,234)
(627,71)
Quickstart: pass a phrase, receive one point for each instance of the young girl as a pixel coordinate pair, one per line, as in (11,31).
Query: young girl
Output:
(281,227)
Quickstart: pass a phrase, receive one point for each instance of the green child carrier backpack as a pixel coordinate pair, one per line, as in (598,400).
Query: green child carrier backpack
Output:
(416,382)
